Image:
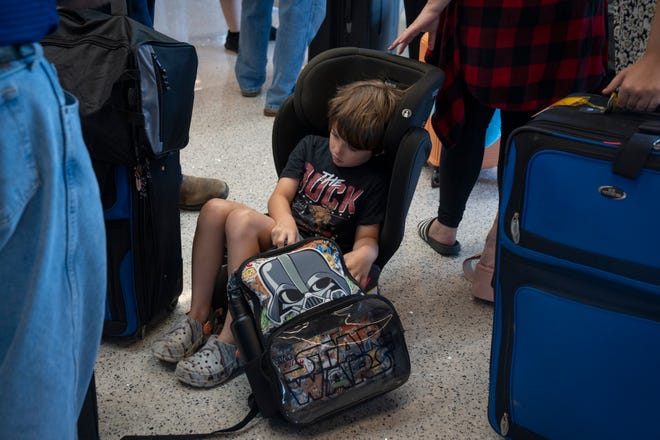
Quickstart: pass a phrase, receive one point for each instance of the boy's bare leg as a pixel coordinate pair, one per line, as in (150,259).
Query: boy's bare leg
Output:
(248,233)
(207,254)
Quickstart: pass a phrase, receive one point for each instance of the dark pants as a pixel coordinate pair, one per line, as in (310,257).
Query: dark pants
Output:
(460,166)
(412,9)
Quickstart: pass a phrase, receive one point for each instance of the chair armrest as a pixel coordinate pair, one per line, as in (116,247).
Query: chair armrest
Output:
(411,156)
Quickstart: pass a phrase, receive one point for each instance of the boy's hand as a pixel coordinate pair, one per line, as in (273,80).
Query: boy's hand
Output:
(285,232)
(279,207)
(359,267)
(364,253)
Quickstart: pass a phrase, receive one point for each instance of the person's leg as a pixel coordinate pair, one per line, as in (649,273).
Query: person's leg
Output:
(231,10)
(412,9)
(479,269)
(247,233)
(208,251)
(250,69)
(187,335)
(299,22)
(52,252)
(459,170)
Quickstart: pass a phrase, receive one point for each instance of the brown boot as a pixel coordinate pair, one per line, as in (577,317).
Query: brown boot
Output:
(195,191)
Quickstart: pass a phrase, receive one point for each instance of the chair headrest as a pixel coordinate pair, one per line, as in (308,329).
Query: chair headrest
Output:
(319,80)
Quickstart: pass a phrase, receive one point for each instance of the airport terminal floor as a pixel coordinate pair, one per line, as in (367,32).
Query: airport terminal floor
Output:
(447,331)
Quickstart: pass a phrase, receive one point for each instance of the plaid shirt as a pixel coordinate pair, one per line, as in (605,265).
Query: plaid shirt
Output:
(516,55)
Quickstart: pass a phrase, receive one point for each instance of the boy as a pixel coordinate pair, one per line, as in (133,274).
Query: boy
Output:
(329,187)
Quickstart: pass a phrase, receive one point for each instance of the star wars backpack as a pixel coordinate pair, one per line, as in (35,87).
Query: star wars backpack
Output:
(311,341)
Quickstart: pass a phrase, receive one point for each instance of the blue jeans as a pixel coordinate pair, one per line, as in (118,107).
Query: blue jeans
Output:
(299,22)
(52,252)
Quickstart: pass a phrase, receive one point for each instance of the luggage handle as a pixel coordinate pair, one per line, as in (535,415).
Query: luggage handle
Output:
(632,155)
(650,128)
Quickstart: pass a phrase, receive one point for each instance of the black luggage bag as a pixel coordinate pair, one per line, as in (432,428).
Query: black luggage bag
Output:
(370,24)
(135,87)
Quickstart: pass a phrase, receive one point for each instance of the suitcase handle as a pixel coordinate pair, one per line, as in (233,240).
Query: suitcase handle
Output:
(632,155)
(650,128)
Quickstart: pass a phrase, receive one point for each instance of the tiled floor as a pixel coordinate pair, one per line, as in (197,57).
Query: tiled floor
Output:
(448,332)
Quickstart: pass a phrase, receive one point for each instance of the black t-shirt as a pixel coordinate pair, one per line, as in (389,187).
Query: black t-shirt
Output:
(332,201)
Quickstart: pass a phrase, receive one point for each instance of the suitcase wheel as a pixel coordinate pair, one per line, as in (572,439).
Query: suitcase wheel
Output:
(435,178)
(172,305)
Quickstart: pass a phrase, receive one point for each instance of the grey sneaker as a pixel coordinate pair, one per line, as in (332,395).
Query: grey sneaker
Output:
(215,363)
(181,341)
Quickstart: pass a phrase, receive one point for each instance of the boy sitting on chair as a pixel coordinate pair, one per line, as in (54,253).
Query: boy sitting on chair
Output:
(330,187)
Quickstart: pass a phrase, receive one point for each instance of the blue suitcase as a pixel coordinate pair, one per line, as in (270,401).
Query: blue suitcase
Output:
(576,334)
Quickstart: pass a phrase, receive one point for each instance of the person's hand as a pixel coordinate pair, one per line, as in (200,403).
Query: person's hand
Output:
(359,267)
(284,232)
(638,85)
(426,21)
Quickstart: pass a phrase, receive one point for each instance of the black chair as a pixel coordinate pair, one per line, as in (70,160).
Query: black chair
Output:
(406,144)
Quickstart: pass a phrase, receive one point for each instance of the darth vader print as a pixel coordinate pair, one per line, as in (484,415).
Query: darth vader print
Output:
(301,281)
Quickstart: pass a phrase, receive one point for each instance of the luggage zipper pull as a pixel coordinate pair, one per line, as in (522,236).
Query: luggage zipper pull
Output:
(504,424)
(162,71)
(515,228)
(142,176)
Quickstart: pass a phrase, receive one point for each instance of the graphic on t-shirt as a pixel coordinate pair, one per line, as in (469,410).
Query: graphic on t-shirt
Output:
(324,200)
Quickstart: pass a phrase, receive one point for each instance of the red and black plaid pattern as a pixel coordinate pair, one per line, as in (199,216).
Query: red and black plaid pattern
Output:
(516,55)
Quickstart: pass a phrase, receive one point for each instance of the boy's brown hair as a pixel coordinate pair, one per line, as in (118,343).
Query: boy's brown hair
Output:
(361,110)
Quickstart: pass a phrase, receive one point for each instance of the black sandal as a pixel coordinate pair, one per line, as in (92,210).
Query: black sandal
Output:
(443,249)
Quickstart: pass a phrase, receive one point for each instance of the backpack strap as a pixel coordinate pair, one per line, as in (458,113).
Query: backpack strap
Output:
(254,410)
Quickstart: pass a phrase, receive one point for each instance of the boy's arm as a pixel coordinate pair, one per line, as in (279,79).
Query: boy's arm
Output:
(364,253)
(279,208)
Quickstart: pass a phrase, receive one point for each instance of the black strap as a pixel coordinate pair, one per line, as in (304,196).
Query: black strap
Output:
(254,410)
(632,155)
